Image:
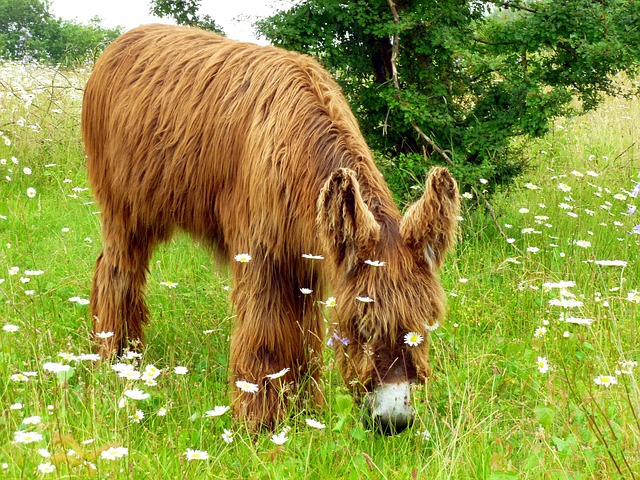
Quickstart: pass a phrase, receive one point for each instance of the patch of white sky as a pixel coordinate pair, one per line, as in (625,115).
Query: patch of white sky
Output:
(235,17)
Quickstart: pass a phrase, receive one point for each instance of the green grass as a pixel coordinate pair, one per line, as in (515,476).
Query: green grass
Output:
(489,411)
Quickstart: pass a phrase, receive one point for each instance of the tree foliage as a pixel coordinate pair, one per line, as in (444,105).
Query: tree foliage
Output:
(29,31)
(471,75)
(184,12)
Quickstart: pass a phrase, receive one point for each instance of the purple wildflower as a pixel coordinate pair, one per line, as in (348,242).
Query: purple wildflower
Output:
(337,338)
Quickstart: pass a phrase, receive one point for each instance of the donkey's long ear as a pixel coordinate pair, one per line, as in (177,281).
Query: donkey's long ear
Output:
(346,226)
(429,226)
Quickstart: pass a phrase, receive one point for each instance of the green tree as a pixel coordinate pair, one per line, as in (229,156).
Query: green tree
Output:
(28,30)
(184,12)
(455,81)
(22,24)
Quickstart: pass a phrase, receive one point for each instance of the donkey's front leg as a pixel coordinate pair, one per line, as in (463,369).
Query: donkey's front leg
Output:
(275,348)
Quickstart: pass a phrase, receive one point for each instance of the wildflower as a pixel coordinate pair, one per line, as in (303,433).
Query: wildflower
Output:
(150,371)
(591,173)
(576,173)
(315,424)
(44,453)
(484,181)
(26,437)
(620,196)
(180,370)
(564,187)
(331,302)
(378,263)
(565,302)
(26,171)
(19,377)
(46,467)
(79,301)
(136,394)
(563,284)
(121,367)
(543,365)
(227,436)
(196,454)
(566,334)
(69,357)
(582,243)
(138,416)
(605,380)
(32,420)
(130,374)
(626,366)
(114,453)
(280,438)
(243,258)
(217,411)
(247,386)
(31,192)
(33,273)
(170,284)
(306,291)
(577,321)
(524,210)
(413,339)
(331,342)
(104,334)
(16,406)
(312,257)
(611,263)
(533,249)
(14,270)
(10,328)
(279,374)
(55,367)
(364,299)
(467,195)
(634,296)
(463,280)
(432,327)
(540,331)
(511,240)
(531,186)
(162,412)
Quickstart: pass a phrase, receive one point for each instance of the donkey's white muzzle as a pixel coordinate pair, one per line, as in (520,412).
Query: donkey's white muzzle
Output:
(390,408)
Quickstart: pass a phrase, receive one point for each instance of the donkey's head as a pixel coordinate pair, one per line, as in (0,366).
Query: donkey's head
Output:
(388,296)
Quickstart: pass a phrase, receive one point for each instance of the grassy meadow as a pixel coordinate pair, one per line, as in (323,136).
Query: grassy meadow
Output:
(534,370)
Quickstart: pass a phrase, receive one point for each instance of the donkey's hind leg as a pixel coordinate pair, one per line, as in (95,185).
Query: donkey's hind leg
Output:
(117,302)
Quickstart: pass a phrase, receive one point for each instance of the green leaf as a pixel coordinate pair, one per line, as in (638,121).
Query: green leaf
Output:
(344,404)
(545,416)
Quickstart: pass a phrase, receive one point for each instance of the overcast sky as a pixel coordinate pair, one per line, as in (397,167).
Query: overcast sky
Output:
(235,16)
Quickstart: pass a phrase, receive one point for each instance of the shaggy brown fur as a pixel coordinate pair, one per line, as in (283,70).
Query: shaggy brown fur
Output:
(254,150)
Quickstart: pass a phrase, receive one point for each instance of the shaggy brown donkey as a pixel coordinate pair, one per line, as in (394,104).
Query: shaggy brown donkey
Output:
(254,150)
